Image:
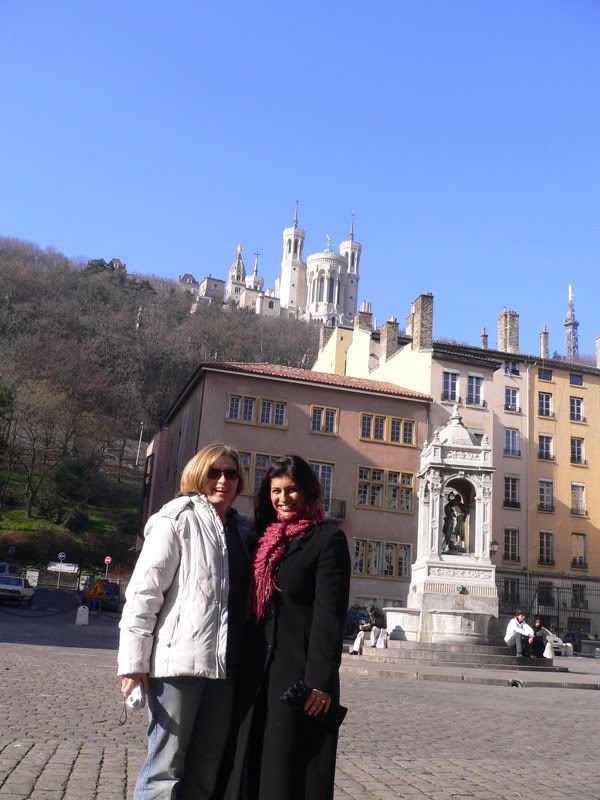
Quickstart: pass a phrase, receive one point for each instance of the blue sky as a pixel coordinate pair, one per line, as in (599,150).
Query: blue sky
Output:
(465,135)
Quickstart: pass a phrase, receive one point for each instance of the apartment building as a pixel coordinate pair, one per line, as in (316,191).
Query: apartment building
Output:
(362,437)
(542,418)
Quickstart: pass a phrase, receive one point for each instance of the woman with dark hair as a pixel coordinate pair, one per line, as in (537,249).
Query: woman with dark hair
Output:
(299,597)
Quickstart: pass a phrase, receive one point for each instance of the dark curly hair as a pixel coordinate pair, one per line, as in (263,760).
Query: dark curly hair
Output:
(300,472)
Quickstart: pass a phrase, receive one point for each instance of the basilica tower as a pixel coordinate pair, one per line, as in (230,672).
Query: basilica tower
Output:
(236,278)
(351,251)
(291,285)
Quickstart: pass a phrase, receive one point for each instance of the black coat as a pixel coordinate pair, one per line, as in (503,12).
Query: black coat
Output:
(281,753)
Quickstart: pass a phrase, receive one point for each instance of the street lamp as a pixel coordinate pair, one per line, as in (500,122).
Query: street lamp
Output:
(494,546)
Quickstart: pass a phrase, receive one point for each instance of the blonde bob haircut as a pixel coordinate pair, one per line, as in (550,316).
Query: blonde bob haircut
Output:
(194,477)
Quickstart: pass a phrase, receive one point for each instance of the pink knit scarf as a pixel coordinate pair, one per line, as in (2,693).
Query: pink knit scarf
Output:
(271,548)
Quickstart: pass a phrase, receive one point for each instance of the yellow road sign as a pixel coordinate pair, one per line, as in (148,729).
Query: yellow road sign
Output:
(96,591)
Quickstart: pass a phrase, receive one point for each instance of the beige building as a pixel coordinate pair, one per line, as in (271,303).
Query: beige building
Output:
(542,417)
(363,438)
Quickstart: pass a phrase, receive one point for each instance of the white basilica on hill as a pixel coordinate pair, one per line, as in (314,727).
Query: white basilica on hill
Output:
(322,288)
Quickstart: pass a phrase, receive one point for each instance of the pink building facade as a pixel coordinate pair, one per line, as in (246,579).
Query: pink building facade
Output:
(362,437)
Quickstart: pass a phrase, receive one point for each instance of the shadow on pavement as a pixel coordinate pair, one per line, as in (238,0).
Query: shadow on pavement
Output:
(51,621)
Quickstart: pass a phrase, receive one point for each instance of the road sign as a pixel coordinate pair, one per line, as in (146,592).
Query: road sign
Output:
(62,556)
(107,560)
(96,591)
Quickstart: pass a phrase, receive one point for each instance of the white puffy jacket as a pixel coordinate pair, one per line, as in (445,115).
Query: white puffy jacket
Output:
(174,622)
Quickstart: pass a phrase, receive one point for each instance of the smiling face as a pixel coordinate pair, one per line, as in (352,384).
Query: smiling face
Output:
(221,490)
(287,497)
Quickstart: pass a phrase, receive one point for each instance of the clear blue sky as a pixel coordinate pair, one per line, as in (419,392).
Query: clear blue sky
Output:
(465,134)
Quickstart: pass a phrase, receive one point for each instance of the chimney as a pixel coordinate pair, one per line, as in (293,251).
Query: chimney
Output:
(484,339)
(422,327)
(389,338)
(598,351)
(364,318)
(508,332)
(409,321)
(544,343)
(325,335)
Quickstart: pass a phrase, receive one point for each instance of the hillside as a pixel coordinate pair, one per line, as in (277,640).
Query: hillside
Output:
(88,352)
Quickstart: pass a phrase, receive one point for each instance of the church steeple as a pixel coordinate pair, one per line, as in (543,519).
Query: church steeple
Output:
(571,326)
(351,234)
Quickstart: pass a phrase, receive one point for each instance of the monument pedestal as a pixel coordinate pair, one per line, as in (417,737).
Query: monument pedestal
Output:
(452,595)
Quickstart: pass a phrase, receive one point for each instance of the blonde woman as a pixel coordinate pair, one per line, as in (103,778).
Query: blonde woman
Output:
(182,625)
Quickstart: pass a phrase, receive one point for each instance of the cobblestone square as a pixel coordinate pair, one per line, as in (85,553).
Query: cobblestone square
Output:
(60,739)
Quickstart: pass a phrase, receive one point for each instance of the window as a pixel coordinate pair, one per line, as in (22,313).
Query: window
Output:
(510,592)
(511,492)
(511,442)
(545,447)
(577,456)
(544,404)
(546,593)
(511,367)
(511,399)
(544,374)
(379,428)
(381,559)
(255,466)
(324,420)
(578,599)
(449,391)
(475,390)
(324,473)
(576,380)
(578,550)
(546,498)
(243,409)
(578,499)
(511,544)
(384,489)
(576,408)
(546,548)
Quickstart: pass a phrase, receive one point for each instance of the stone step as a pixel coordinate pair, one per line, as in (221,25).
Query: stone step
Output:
(509,662)
(450,647)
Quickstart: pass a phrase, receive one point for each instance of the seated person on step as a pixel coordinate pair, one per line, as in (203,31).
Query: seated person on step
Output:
(519,634)
(376,625)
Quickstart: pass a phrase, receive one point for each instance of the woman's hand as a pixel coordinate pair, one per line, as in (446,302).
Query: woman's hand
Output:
(318,703)
(129,681)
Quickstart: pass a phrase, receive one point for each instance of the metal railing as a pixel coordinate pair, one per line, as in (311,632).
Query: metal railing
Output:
(336,509)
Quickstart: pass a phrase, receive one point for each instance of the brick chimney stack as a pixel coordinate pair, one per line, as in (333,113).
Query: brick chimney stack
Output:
(422,322)
(544,343)
(389,338)
(508,332)
(364,318)
(484,339)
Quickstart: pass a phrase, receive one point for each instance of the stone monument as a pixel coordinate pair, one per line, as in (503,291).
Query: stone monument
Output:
(452,595)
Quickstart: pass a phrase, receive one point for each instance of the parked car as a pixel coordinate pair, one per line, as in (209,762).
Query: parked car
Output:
(16,589)
(558,646)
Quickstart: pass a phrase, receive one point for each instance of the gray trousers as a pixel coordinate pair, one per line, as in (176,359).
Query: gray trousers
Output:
(188,726)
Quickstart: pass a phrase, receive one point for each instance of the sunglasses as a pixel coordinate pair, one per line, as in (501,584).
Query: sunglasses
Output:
(230,474)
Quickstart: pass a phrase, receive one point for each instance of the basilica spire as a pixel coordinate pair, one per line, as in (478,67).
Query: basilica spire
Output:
(296,216)
(571,326)
(351,234)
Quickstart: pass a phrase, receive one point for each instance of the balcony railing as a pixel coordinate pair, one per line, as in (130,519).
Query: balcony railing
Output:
(575,418)
(336,509)
(512,503)
(579,460)
(546,562)
(544,456)
(511,407)
(545,507)
(450,397)
(511,451)
(579,563)
(510,557)
(474,401)
(543,413)
(579,511)
(577,603)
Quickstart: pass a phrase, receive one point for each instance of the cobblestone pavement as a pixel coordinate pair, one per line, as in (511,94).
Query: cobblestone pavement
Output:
(59,738)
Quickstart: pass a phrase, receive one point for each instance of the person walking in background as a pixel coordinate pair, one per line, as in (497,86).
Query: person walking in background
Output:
(182,627)
(299,594)
(519,634)
(377,627)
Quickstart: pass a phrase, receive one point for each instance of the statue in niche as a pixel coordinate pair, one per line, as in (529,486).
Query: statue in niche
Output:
(453,531)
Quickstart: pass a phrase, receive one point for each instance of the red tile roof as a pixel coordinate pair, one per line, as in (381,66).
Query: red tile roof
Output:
(324,378)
